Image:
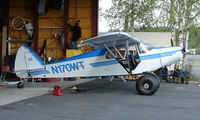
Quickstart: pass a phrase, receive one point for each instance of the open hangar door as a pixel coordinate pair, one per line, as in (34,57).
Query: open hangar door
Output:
(31,22)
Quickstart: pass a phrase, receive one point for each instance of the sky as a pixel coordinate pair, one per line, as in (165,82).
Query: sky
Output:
(104,4)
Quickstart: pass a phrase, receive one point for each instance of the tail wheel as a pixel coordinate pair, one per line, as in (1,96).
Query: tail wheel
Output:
(147,85)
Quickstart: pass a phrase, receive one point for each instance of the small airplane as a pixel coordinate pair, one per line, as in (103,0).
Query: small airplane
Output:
(115,54)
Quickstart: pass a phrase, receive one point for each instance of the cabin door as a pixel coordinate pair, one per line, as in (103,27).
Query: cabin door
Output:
(128,58)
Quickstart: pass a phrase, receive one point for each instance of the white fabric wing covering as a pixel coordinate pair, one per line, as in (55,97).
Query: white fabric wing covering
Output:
(119,39)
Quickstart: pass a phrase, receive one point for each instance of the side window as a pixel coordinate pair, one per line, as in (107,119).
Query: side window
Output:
(132,50)
(143,48)
(110,56)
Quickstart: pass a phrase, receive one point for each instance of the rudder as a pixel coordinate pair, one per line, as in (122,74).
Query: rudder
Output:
(27,60)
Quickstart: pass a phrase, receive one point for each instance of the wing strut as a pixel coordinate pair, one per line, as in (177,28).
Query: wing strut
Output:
(110,51)
(118,52)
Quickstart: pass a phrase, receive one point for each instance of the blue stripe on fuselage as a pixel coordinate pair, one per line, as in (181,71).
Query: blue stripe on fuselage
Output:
(159,47)
(158,55)
(104,63)
(145,57)
(94,53)
(39,72)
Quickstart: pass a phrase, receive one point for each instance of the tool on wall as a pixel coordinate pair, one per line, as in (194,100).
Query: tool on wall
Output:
(18,23)
(46,59)
(29,30)
(61,39)
(76,29)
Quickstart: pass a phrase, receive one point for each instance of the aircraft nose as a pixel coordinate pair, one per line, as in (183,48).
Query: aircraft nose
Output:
(187,50)
(191,51)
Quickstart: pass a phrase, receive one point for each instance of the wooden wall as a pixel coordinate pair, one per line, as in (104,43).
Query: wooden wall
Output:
(51,24)
(81,10)
(19,8)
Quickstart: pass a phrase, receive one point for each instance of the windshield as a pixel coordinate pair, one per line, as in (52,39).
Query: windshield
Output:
(144,47)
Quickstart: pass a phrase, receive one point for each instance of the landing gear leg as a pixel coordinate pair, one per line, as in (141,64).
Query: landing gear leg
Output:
(122,77)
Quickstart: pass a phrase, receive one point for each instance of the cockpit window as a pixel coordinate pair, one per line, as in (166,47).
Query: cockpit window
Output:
(144,47)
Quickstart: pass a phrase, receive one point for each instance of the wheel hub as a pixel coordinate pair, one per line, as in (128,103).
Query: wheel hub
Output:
(146,86)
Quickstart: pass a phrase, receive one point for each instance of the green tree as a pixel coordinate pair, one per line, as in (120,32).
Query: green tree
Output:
(194,37)
(130,15)
(180,15)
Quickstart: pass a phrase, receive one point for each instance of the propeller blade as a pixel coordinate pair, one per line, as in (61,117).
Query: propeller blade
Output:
(172,43)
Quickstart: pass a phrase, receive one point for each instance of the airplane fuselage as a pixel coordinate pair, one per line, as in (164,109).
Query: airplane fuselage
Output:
(95,63)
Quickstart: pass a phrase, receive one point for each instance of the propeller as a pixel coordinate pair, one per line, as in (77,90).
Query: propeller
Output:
(184,49)
(172,43)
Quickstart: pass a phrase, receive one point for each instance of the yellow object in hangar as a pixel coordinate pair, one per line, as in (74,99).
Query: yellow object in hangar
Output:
(71,53)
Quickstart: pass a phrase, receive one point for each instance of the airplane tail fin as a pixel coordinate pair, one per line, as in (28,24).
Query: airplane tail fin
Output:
(27,60)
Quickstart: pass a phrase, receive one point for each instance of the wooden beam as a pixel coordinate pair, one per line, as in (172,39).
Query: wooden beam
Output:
(66,18)
(36,20)
(3,45)
(95,6)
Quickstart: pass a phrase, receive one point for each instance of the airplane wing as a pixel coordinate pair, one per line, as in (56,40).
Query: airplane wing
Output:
(119,39)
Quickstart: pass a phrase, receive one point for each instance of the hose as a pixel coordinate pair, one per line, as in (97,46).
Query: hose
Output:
(18,18)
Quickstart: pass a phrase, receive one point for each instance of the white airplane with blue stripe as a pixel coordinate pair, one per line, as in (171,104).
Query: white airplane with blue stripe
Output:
(115,54)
